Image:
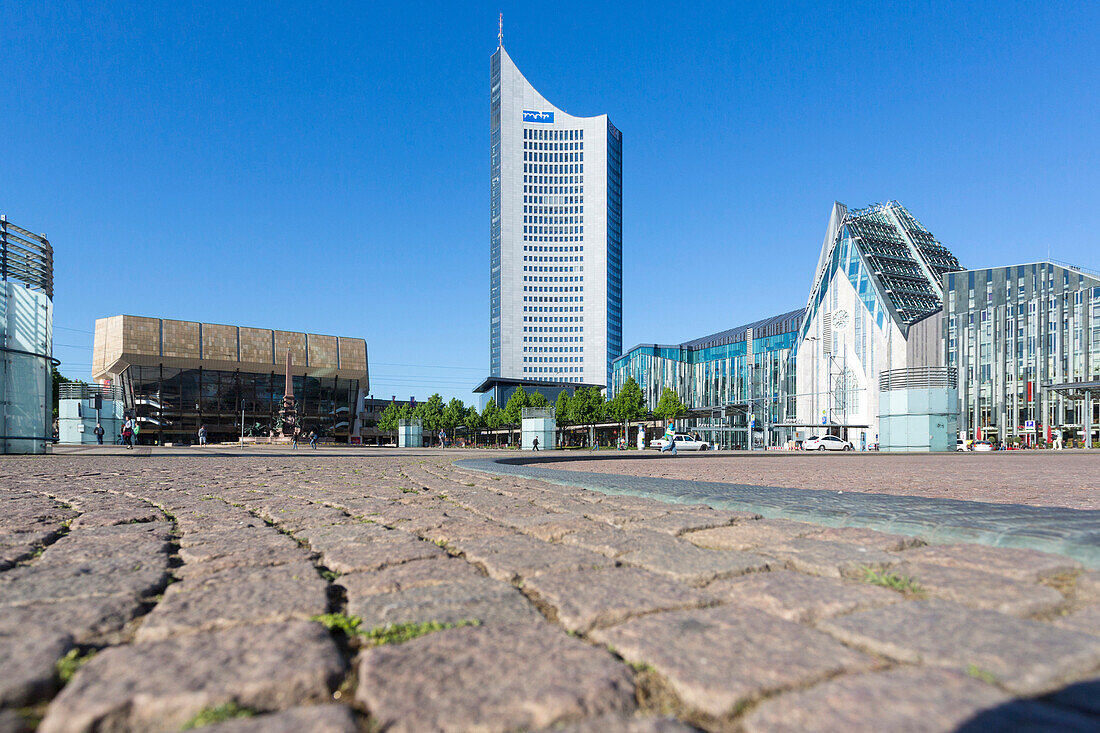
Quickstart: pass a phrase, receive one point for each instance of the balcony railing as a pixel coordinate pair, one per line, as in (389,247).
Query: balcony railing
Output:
(918,378)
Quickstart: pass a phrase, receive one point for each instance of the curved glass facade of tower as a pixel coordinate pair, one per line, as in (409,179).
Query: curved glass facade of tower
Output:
(555,242)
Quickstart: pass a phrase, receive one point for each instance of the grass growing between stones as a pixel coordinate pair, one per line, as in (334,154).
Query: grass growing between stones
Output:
(218,714)
(894,581)
(339,622)
(400,633)
(352,627)
(68,665)
(978,673)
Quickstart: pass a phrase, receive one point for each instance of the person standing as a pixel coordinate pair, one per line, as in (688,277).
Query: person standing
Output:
(202,435)
(442,439)
(294,439)
(98,430)
(313,439)
(670,438)
(136,432)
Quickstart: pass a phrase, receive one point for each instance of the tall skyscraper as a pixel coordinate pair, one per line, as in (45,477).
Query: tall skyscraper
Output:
(555,222)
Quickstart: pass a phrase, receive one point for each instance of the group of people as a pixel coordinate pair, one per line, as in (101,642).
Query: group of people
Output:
(297,433)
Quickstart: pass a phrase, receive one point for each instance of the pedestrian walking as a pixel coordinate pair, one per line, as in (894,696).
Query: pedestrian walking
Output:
(137,431)
(98,431)
(442,440)
(313,439)
(294,439)
(202,435)
(535,444)
(128,434)
(670,438)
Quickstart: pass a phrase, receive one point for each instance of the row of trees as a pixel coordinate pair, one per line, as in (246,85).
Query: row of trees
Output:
(586,406)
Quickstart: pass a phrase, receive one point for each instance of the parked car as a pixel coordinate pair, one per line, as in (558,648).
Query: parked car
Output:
(960,445)
(683,442)
(982,446)
(827,442)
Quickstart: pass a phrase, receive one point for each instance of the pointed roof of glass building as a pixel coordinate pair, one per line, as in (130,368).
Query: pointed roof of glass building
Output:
(902,261)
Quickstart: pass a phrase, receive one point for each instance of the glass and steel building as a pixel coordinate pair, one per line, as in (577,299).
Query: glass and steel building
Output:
(1025,340)
(875,306)
(26,340)
(735,382)
(178,375)
(555,242)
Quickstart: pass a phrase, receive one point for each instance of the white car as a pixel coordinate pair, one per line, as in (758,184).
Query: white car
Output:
(827,442)
(683,442)
(982,446)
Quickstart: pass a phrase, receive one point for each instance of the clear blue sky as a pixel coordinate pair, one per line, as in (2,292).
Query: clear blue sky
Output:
(324,167)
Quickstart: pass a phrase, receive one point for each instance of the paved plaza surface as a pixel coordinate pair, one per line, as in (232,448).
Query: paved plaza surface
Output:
(345,590)
(1069,478)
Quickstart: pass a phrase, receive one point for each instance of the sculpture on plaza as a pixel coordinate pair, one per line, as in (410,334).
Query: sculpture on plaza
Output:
(289,414)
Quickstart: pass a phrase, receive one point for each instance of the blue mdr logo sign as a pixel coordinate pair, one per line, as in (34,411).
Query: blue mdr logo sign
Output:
(532,116)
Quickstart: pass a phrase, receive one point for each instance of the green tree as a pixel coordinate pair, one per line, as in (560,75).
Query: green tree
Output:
(513,411)
(474,423)
(490,415)
(431,413)
(669,407)
(587,407)
(628,405)
(562,413)
(454,414)
(562,409)
(538,399)
(387,422)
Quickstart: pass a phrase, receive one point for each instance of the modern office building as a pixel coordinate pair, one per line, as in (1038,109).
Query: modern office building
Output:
(1025,341)
(178,375)
(735,382)
(875,306)
(26,340)
(555,242)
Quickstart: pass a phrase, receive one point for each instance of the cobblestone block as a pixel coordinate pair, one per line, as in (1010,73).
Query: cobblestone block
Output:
(237,596)
(749,535)
(882,541)
(587,598)
(1088,587)
(159,686)
(311,718)
(621,724)
(87,620)
(248,547)
(902,699)
(1023,565)
(31,584)
(27,664)
(1026,657)
(607,540)
(1086,619)
(518,556)
(829,559)
(717,658)
(476,599)
(361,547)
(979,589)
(415,574)
(491,679)
(800,597)
(692,520)
(555,530)
(125,543)
(689,564)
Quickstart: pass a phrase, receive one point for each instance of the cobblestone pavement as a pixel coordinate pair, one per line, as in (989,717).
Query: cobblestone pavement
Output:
(1073,532)
(1069,478)
(390,590)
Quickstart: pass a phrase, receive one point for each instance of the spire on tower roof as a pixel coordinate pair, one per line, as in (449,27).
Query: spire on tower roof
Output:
(500,31)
